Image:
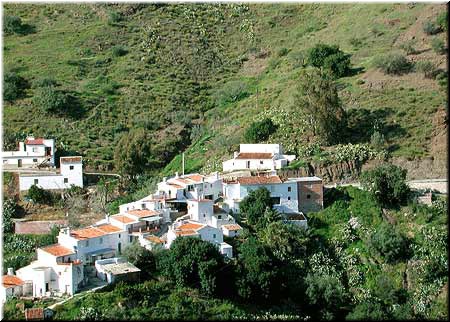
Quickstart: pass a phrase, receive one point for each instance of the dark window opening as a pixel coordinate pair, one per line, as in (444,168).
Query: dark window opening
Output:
(66,180)
(275,200)
(308,196)
(289,189)
(36,181)
(71,167)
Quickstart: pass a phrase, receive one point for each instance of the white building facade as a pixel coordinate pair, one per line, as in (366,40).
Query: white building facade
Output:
(31,153)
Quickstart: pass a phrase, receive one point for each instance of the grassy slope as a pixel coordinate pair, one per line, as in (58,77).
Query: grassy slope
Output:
(146,90)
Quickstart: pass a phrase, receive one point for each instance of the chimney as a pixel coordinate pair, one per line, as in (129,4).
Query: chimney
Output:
(21,146)
(107,218)
(10,271)
(235,154)
(176,175)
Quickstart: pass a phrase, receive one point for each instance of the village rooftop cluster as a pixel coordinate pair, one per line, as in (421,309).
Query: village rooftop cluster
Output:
(194,205)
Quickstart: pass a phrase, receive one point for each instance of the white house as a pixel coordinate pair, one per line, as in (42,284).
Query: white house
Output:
(70,173)
(116,269)
(32,153)
(56,270)
(258,157)
(191,186)
(191,228)
(12,285)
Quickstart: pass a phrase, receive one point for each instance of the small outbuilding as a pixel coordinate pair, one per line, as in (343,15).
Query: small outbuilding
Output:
(113,270)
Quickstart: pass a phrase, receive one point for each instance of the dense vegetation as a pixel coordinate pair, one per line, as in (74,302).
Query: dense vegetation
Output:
(194,78)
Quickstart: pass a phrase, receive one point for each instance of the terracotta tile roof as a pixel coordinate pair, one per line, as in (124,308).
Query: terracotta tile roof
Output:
(123,219)
(195,177)
(190,226)
(58,250)
(188,232)
(36,313)
(107,228)
(183,181)
(252,155)
(11,280)
(232,227)
(86,233)
(154,239)
(259,180)
(69,159)
(34,141)
(142,213)
(175,185)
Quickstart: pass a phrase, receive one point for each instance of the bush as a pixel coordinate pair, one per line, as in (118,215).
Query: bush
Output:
(442,20)
(253,206)
(427,68)
(442,79)
(231,92)
(44,82)
(330,57)
(39,195)
(282,52)
(409,47)
(118,51)
(393,64)
(114,17)
(13,86)
(377,139)
(12,25)
(260,131)
(51,100)
(387,183)
(9,211)
(431,28)
(438,46)
(389,243)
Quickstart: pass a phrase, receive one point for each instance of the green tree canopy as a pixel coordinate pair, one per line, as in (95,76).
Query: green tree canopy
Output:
(192,262)
(51,100)
(318,107)
(260,131)
(253,206)
(141,257)
(132,155)
(389,243)
(387,183)
(331,58)
(13,86)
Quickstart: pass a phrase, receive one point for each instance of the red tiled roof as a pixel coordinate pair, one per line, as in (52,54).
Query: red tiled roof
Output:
(154,239)
(175,185)
(107,228)
(195,177)
(123,219)
(69,159)
(58,250)
(259,180)
(252,155)
(142,213)
(86,233)
(34,142)
(11,280)
(36,313)
(188,232)
(232,227)
(190,226)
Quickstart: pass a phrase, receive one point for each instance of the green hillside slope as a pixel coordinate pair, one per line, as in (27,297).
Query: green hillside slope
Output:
(196,76)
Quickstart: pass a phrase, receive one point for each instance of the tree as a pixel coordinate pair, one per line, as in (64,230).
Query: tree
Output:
(331,58)
(13,86)
(269,216)
(260,131)
(132,155)
(51,100)
(141,257)
(9,211)
(253,206)
(318,106)
(12,25)
(39,195)
(192,262)
(393,64)
(256,270)
(389,243)
(387,183)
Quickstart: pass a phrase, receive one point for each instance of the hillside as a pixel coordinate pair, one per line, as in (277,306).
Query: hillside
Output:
(196,76)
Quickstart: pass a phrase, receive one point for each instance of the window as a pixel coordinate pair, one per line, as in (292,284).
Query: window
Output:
(214,235)
(119,235)
(275,200)
(219,217)
(66,180)
(101,240)
(289,198)
(261,162)
(131,239)
(87,243)
(71,167)
(210,185)
(308,196)
(190,188)
(34,160)
(36,181)
(204,216)
(34,149)
(289,189)
(143,206)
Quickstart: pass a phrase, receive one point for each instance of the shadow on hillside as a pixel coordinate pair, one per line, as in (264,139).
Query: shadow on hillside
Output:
(75,108)
(361,122)
(26,29)
(356,71)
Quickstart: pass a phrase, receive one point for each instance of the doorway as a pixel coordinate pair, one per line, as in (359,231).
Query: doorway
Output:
(19,163)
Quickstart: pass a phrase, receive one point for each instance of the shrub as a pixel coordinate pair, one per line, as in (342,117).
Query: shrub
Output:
(260,131)
(9,211)
(394,64)
(431,28)
(409,47)
(231,92)
(387,183)
(283,52)
(330,57)
(39,195)
(114,17)
(438,46)
(442,79)
(50,99)
(377,139)
(355,42)
(13,86)
(442,20)
(427,68)
(389,243)
(43,82)
(12,25)
(118,51)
